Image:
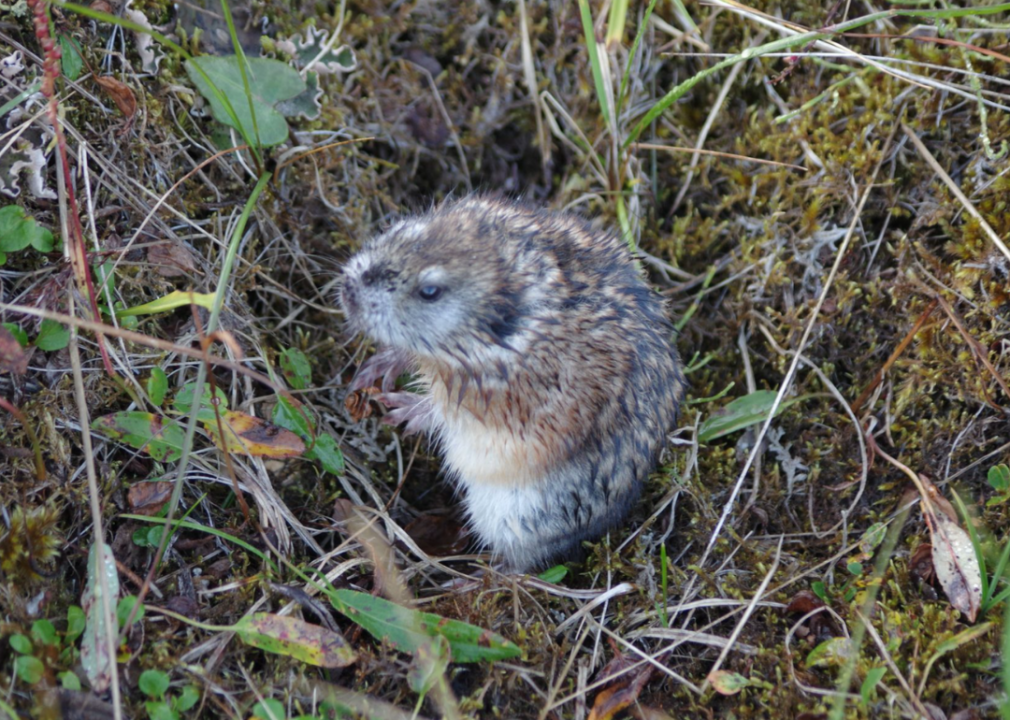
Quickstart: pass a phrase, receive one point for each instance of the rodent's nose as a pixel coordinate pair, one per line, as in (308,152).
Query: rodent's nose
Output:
(349,294)
(377,274)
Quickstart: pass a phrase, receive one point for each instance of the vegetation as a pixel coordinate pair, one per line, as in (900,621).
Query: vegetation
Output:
(199,521)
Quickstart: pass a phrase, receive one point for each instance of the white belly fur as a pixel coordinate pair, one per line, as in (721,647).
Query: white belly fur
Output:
(500,481)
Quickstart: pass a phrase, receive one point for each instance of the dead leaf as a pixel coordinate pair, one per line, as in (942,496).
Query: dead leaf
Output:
(13,358)
(955,563)
(954,558)
(171,259)
(621,695)
(96,655)
(120,93)
(148,498)
(644,712)
(966,714)
(438,534)
(942,504)
(183,605)
(358,403)
(284,635)
(343,510)
(920,563)
(248,435)
(820,626)
(725,682)
(803,602)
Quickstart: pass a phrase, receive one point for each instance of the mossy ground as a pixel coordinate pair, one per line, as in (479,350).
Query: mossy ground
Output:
(438,106)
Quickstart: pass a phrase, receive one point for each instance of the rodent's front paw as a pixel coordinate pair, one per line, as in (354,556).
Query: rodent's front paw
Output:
(405,407)
(387,365)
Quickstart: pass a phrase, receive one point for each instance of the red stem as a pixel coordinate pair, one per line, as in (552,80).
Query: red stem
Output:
(78,253)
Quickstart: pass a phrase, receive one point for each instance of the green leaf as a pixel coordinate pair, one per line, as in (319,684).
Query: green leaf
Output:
(105,279)
(157,386)
(408,630)
(160,437)
(953,643)
(189,697)
(856,568)
(307,103)
(18,231)
(52,336)
(71,61)
(295,368)
(21,644)
(832,652)
(284,635)
(742,412)
(29,668)
(154,683)
(75,623)
(554,575)
(125,606)
(873,676)
(174,300)
(725,682)
(999,478)
(159,710)
(270,82)
(308,47)
(44,632)
(184,402)
(69,681)
(154,536)
(325,450)
(139,537)
(269,709)
(873,536)
(292,418)
(430,664)
(20,335)
(819,590)
(327,453)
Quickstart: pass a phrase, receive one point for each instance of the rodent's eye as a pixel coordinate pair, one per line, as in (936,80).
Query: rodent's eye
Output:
(429,293)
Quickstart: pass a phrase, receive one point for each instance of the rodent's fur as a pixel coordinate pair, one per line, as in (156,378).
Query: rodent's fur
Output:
(545,366)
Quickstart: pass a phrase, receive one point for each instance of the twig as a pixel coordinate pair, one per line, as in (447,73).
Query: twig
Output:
(898,351)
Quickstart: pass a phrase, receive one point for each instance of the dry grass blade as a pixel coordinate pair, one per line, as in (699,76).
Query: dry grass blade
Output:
(714,153)
(809,256)
(791,372)
(955,190)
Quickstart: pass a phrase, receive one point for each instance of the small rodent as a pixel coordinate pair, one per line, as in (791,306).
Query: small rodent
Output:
(544,363)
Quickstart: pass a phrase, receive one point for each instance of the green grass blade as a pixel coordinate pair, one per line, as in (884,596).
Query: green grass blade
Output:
(1004,705)
(616,21)
(594,59)
(997,573)
(787,43)
(634,50)
(191,525)
(243,67)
